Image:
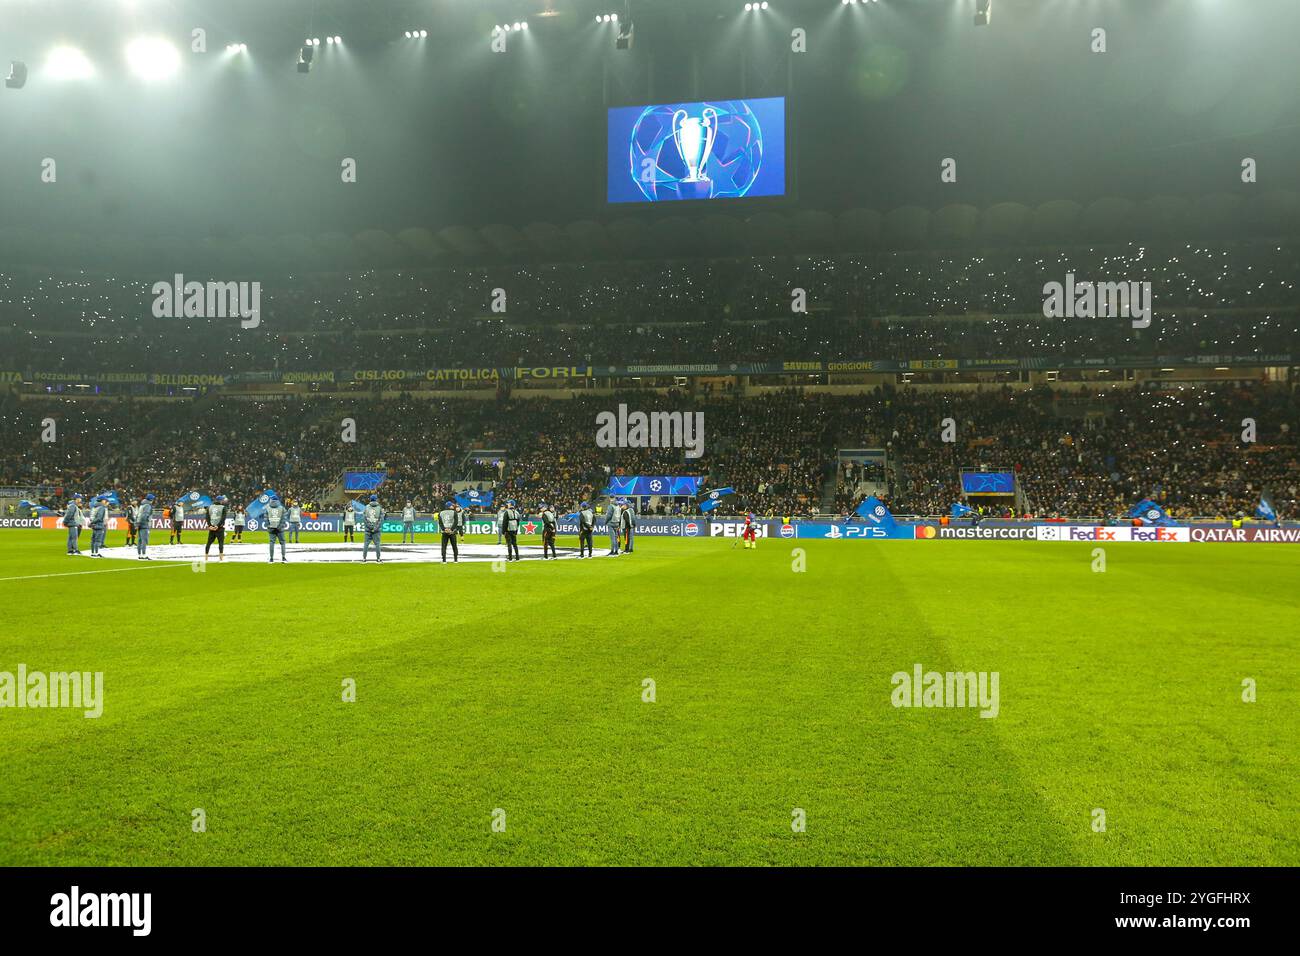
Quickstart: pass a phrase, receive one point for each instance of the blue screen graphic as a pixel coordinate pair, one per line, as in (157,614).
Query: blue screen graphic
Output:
(988,483)
(718,149)
(363,480)
(636,485)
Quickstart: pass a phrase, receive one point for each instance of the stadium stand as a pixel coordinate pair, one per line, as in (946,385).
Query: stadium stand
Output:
(1079,453)
(1209,298)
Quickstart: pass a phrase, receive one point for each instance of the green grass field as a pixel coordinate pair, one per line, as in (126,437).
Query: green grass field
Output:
(523,691)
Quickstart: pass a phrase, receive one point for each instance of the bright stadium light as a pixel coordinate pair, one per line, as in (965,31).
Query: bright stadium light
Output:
(152,58)
(68,63)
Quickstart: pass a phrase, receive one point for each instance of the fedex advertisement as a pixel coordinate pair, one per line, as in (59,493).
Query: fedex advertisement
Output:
(717,149)
(1103,534)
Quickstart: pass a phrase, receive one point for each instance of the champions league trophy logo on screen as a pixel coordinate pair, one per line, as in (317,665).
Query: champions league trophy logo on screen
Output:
(694,138)
(696,150)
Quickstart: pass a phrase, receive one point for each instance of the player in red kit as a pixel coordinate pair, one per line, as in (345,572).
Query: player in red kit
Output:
(750,533)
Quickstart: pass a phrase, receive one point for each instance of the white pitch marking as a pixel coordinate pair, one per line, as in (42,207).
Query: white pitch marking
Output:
(67,574)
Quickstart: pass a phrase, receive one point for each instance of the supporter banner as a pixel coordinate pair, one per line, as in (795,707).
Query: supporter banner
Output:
(560,373)
(89,378)
(564,373)
(192,381)
(466,374)
(707,368)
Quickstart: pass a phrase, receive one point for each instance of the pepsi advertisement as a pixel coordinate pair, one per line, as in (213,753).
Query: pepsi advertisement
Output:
(717,149)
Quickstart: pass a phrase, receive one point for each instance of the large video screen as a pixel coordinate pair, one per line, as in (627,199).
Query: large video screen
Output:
(717,149)
(638,485)
(988,483)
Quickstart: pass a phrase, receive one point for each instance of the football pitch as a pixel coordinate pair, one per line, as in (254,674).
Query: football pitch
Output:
(507,718)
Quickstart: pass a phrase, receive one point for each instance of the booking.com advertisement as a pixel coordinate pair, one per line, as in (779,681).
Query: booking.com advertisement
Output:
(717,149)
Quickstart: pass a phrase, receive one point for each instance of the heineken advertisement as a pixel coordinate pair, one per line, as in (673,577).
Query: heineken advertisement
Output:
(560,374)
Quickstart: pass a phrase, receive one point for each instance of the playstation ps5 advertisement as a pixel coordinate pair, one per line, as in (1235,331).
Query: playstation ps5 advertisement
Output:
(717,149)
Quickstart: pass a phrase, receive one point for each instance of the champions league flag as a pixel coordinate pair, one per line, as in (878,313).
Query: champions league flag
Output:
(1266,509)
(474,498)
(960,510)
(714,498)
(874,511)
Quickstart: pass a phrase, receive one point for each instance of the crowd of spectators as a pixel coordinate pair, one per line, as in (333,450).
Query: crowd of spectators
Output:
(1208,299)
(1090,453)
